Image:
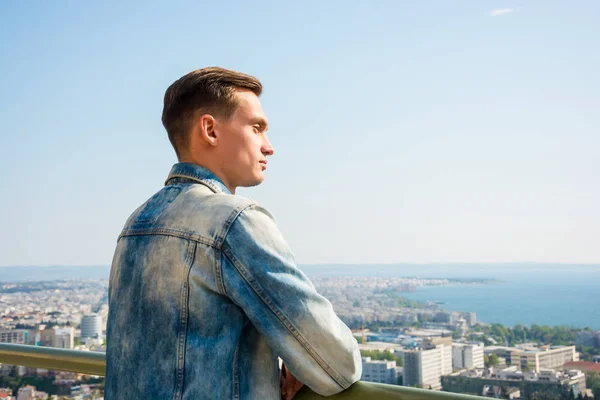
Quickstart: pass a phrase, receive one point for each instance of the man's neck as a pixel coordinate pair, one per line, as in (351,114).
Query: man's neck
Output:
(212,169)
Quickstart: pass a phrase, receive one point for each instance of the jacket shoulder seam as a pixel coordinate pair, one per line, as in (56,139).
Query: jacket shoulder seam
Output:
(235,213)
(218,268)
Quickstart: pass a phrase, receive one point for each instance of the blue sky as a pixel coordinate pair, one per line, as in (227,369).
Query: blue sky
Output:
(406,131)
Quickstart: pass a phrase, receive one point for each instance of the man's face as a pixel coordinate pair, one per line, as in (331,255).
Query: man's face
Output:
(243,144)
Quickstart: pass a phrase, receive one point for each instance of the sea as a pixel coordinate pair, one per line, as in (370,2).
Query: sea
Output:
(521,293)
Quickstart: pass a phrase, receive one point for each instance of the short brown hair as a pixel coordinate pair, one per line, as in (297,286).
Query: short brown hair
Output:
(210,90)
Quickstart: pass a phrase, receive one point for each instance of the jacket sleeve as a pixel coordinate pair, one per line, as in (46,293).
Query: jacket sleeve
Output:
(261,276)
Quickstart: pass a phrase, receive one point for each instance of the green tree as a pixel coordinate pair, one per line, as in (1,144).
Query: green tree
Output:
(493,360)
(382,355)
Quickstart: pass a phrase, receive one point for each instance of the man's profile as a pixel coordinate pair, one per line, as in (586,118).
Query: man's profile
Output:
(204,293)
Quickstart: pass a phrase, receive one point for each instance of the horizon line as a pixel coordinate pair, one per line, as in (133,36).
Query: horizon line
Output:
(441,263)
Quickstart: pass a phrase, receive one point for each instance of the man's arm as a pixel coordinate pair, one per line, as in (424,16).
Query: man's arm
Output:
(260,275)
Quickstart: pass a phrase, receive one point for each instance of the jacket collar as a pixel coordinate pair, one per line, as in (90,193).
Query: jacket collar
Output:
(197,173)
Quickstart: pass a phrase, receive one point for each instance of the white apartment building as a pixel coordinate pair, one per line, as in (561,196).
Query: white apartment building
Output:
(424,368)
(467,355)
(379,371)
(544,358)
(445,345)
(446,355)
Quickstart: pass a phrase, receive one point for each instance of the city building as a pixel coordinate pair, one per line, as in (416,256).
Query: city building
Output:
(467,355)
(57,337)
(64,338)
(588,338)
(47,337)
(91,326)
(585,366)
(548,357)
(471,318)
(424,367)
(445,345)
(445,317)
(479,381)
(26,393)
(6,394)
(380,371)
(501,392)
(16,336)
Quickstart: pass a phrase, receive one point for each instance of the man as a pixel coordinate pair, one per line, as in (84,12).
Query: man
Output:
(204,291)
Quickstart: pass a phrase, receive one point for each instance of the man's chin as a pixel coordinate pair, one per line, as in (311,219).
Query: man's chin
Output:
(254,182)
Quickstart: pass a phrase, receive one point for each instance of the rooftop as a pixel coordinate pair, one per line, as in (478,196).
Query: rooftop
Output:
(586,366)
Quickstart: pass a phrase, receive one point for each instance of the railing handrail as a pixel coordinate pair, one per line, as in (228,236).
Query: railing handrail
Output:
(86,362)
(94,363)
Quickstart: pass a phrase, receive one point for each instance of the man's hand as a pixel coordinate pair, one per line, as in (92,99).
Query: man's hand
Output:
(289,384)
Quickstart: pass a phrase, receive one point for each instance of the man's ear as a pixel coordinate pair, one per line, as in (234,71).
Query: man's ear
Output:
(205,127)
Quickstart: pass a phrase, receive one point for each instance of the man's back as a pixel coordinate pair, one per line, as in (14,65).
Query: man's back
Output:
(204,296)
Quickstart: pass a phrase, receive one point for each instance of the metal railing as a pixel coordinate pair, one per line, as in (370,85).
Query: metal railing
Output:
(93,363)
(86,362)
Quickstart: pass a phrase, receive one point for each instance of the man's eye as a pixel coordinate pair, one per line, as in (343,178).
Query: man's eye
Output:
(256,129)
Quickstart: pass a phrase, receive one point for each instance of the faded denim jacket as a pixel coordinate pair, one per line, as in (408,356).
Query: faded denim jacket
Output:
(204,297)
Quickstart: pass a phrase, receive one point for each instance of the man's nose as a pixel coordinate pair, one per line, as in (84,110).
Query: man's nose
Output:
(267,148)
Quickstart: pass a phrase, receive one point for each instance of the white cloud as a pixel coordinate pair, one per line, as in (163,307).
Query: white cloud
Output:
(498,12)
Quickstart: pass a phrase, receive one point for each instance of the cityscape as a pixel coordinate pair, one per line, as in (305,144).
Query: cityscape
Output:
(431,169)
(403,342)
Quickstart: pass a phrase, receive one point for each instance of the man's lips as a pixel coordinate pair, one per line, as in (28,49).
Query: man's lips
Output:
(264,164)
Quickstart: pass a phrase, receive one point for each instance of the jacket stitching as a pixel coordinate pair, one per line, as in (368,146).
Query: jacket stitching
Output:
(183,323)
(236,376)
(169,232)
(219,273)
(229,222)
(286,322)
(218,270)
(199,179)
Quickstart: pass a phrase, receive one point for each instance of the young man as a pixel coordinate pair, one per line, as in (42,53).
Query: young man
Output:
(204,291)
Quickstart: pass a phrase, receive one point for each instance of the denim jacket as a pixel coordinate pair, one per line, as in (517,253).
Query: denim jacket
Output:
(204,297)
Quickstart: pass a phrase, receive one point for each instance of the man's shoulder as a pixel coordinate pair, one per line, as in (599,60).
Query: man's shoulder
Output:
(202,200)
(192,210)
(213,214)
(201,206)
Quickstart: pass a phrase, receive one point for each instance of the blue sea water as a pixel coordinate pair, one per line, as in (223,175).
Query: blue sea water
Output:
(574,301)
(528,293)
